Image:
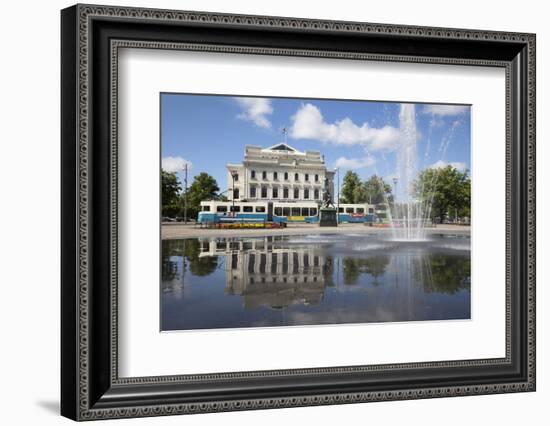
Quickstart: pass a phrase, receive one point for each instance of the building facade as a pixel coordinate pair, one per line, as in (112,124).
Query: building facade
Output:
(279,172)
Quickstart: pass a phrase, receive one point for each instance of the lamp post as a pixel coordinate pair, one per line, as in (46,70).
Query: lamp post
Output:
(185,197)
(233,178)
(337,170)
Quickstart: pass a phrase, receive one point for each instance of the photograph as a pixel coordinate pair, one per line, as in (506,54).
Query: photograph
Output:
(305,212)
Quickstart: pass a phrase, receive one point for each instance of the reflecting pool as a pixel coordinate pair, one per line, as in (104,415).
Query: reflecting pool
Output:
(314,279)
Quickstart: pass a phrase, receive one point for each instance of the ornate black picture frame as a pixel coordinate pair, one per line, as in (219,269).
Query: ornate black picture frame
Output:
(91,36)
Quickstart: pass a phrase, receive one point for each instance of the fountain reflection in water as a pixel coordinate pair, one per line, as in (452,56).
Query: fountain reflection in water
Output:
(409,216)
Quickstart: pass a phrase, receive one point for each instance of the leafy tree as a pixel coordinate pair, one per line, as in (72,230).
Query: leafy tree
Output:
(349,187)
(204,187)
(360,194)
(171,188)
(377,191)
(446,188)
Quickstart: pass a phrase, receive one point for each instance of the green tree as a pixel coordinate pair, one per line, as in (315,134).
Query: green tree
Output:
(446,188)
(204,187)
(377,191)
(349,187)
(171,188)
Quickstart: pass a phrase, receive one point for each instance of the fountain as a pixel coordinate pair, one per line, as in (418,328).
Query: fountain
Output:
(409,215)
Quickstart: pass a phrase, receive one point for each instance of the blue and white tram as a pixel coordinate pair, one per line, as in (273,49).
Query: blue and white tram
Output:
(356,213)
(279,211)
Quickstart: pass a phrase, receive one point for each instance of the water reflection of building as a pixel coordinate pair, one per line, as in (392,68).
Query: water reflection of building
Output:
(264,274)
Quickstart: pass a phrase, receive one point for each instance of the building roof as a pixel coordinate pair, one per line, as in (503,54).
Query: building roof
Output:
(283,147)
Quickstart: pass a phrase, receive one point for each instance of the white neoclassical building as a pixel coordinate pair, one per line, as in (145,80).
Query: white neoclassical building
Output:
(279,172)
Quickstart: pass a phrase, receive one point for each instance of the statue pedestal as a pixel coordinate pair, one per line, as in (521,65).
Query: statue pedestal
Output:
(327,217)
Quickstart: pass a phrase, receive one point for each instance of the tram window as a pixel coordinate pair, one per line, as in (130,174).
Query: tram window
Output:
(248,209)
(260,209)
(305,211)
(349,209)
(236,209)
(205,208)
(360,210)
(278,211)
(371,210)
(221,209)
(340,210)
(313,211)
(295,211)
(286,211)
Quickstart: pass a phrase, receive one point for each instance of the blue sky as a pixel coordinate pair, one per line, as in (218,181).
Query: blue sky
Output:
(209,131)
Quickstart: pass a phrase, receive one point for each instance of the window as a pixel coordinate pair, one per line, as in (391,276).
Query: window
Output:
(235,209)
(295,211)
(264,175)
(286,211)
(252,174)
(205,208)
(296,193)
(360,210)
(253,192)
(349,209)
(235,176)
(306,176)
(260,209)
(221,209)
(264,191)
(275,175)
(316,194)
(371,210)
(313,211)
(316,178)
(296,177)
(248,209)
(236,193)
(340,210)
(286,175)
(278,211)
(285,192)
(306,194)
(275,192)
(305,211)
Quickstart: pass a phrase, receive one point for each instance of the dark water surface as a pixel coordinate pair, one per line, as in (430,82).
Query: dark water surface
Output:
(316,279)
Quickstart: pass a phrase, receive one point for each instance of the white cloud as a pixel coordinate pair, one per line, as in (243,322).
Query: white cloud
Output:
(175,164)
(308,123)
(354,163)
(255,110)
(460,166)
(445,110)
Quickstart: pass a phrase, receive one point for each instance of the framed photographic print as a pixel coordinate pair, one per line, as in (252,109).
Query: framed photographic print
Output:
(263,212)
